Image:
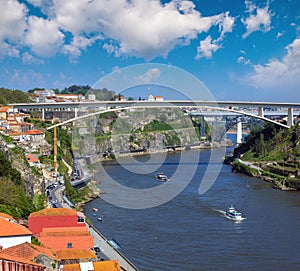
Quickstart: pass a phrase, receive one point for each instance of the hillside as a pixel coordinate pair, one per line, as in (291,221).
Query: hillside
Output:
(13,96)
(274,153)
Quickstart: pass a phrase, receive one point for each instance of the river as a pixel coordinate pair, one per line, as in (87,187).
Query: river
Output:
(190,231)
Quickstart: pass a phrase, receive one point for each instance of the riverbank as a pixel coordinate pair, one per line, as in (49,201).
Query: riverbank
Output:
(270,172)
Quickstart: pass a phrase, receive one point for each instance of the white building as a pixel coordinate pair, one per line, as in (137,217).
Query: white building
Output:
(12,234)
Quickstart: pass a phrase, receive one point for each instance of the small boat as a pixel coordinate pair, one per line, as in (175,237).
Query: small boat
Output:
(99,218)
(161,176)
(233,214)
(95,209)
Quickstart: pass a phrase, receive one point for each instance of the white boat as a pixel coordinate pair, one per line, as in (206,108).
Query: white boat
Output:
(161,176)
(95,209)
(233,214)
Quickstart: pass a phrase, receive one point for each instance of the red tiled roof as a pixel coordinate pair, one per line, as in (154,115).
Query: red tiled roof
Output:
(70,254)
(54,212)
(65,231)
(5,256)
(32,158)
(34,132)
(110,265)
(8,228)
(6,216)
(29,251)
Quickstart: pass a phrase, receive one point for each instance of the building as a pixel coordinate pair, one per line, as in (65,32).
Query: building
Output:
(33,160)
(66,238)
(110,265)
(13,263)
(159,98)
(54,218)
(33,253)
(12,234)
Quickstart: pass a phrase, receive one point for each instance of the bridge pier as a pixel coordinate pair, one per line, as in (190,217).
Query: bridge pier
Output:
(43,114)
(202,127)
(290,119)
(239,133)
(76,112)
(261,111)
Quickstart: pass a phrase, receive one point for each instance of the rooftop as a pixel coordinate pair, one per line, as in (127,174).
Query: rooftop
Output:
(54,212)
(8,228)
(70,254)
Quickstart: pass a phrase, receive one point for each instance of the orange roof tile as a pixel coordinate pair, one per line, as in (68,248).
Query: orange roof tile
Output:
(29,251)
(17,259)
(54,212)
(65,231)
(8,228)
(32,158)
(110,265)
(6,216)
(34,132)
(70,254)
(61,242)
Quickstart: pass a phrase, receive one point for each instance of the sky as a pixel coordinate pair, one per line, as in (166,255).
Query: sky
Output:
(239,49)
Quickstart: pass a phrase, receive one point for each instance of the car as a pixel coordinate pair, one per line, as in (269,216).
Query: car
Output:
(97,249)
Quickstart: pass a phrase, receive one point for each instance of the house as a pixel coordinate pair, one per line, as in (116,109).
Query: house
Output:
(12,234)
(65,238)
(71,256)
(54,218)
(159,98)
(61,229)
(33,160)
(13,263)
(34,253)
(110,265)
(36,136)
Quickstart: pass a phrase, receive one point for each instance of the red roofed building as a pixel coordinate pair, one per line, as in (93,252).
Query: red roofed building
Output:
(54,218)
(61,229)
(110,265)
(66,238)
(32,253)
(13,263)
(12,234)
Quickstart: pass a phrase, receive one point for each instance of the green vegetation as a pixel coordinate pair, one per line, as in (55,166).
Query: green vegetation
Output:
(8,96)
(13,198)
(276,151)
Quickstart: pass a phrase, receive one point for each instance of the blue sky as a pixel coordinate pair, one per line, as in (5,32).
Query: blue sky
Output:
(240,49)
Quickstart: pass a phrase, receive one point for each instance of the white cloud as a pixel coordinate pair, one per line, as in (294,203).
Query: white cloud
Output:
(144,28)
(243,60)
(259,19)
(79,44)
(279,74)
(148,77)
(206,48)
(43,36)
(141,28)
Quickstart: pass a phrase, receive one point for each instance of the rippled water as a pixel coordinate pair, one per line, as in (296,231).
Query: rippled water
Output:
(190,232)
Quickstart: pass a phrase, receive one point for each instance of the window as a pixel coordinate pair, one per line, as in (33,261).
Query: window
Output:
(69,245)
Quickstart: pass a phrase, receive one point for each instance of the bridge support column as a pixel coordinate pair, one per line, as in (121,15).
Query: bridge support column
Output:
(239,133)
(290,119)
(43,114)
(261,111)
(202,127)
(76,112)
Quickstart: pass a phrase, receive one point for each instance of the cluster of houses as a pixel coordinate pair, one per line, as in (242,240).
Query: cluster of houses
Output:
(64,243)
(24,134)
